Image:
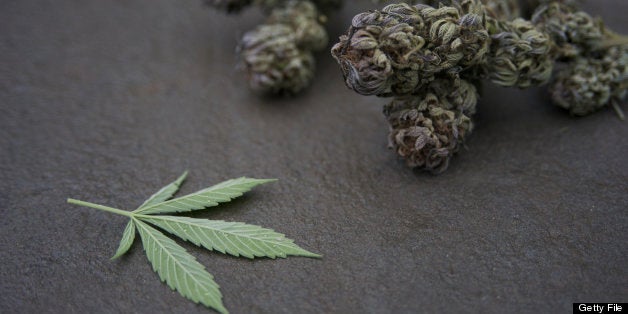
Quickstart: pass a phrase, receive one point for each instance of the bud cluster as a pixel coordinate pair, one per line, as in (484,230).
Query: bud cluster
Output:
(398,50)
(429,58)
(595,60)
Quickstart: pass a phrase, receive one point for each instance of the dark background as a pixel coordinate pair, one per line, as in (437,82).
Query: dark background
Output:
(107,101)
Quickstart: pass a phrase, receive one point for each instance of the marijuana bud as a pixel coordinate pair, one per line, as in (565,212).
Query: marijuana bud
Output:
(428,129)
(397,50)
(519,54)
(570,30)
(277,55)
(302,17)
(505,10)
(588,84)
(273,62)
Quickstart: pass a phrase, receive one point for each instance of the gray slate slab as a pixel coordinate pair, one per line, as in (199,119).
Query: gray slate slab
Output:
(106,101)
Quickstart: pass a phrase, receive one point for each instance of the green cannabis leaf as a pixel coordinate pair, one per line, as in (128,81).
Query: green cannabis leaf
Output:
(173,263)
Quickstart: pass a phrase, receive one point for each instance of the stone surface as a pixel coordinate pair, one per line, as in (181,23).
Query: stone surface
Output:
(106,101)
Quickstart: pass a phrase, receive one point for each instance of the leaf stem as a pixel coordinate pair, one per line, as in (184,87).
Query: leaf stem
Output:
(101,207)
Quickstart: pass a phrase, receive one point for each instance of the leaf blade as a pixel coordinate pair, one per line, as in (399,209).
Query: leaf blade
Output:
(234,238)
(179,269)
(128,236)
(211,196)
(165,192)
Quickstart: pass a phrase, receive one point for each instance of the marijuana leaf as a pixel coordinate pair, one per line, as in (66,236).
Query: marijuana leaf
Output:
(173,264)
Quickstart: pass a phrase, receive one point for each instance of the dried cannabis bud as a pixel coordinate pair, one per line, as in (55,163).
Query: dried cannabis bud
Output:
(595,73)
(519,54)
(571,30)
(428,129)
(588,84)
(273,61)
(397,50)
(277,56)
(505,10)
(302,17)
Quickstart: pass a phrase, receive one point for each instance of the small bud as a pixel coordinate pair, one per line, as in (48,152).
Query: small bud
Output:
(302,16)
(571,30)
(519,55)
(428,129)
(277,55)
(505,10)
(273,62)
(589,84)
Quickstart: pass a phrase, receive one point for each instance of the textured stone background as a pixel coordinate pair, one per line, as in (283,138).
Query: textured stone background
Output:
(106,101)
